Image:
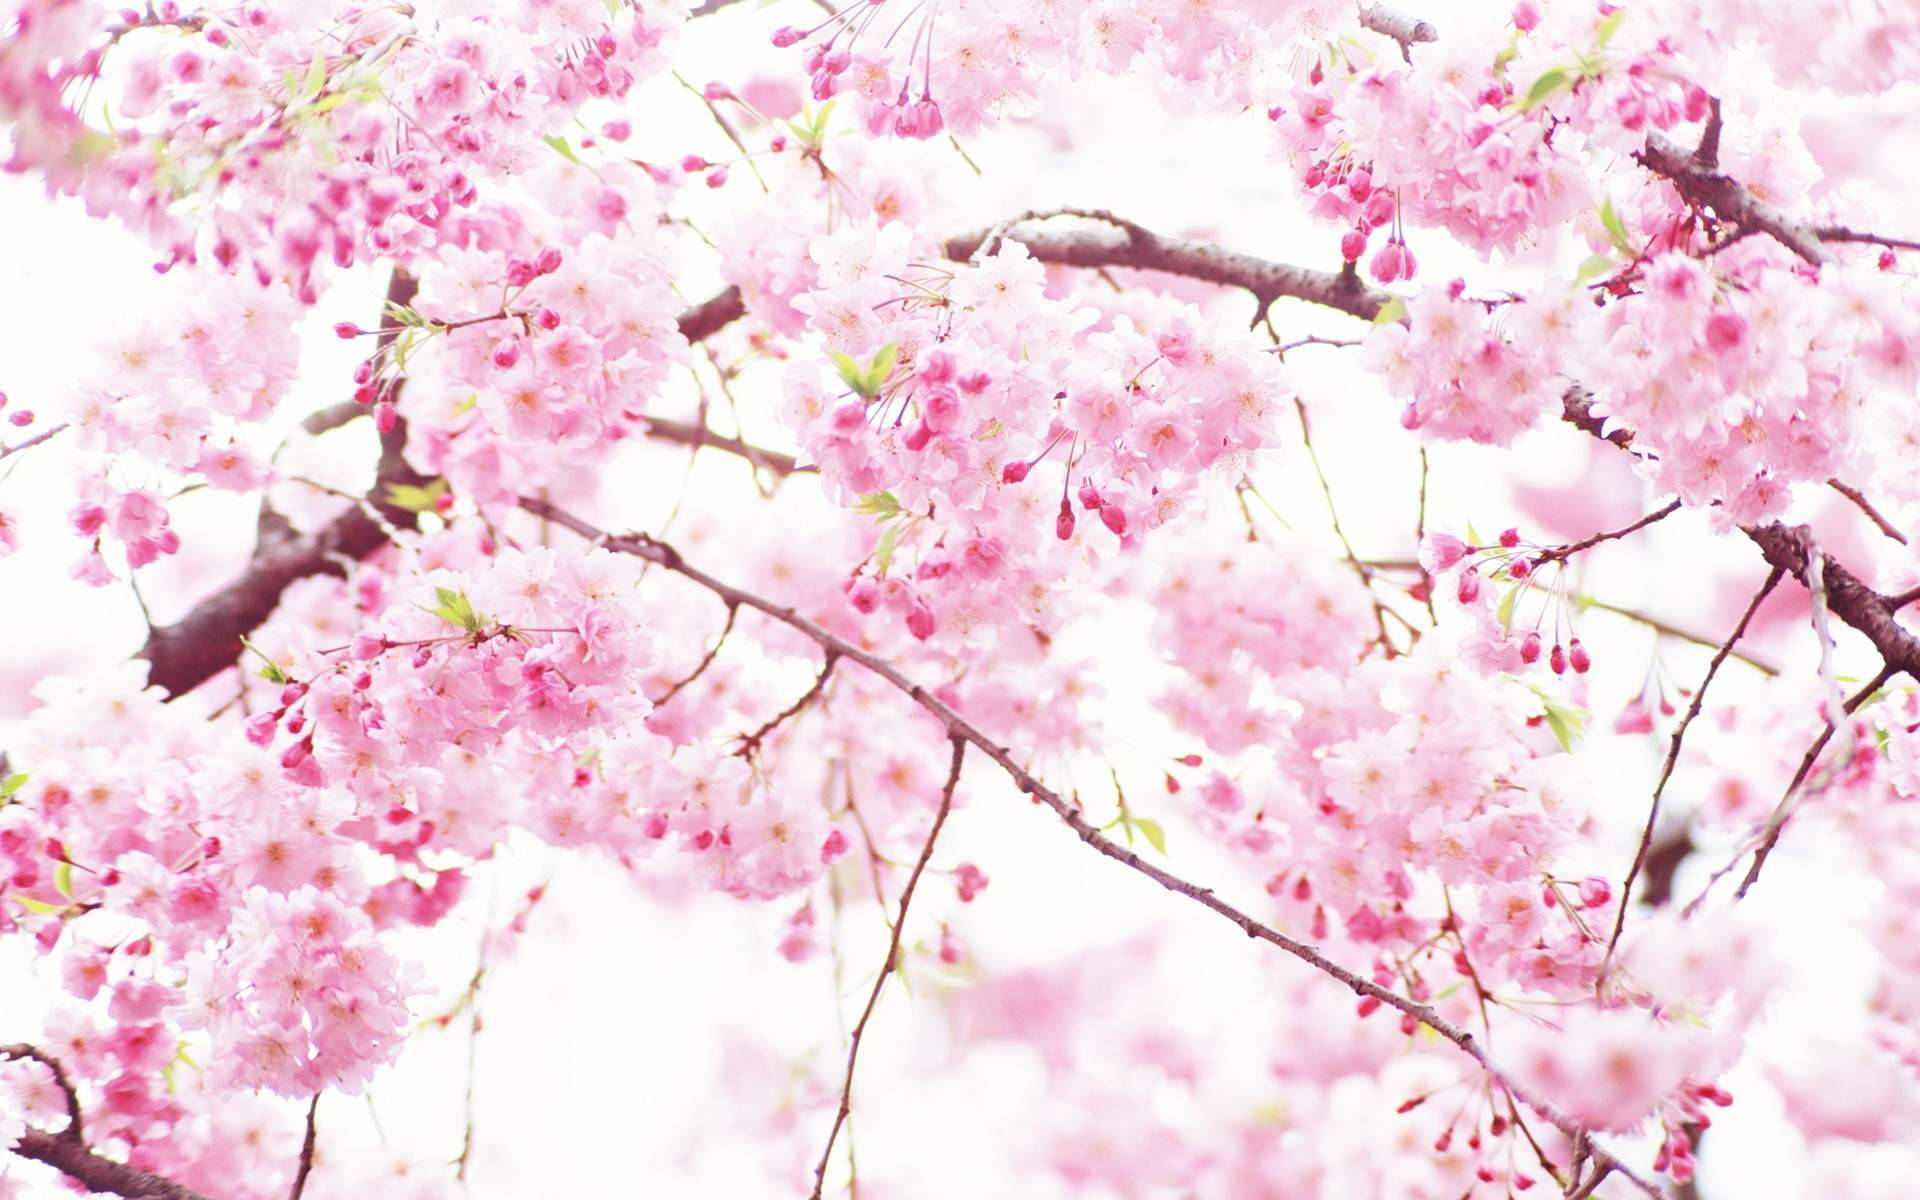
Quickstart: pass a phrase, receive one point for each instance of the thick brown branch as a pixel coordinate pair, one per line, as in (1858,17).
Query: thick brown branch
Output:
(1704,186)
(1120,243)
(1400,27)
(67,1152)
(206,641)
(892,962)
(71,1157)
(685,433)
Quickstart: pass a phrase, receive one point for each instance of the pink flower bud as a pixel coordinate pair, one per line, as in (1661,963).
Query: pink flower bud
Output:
(1379,209)
(346,329)
(1360,185)
(1063,524)
(367,645)
(261,726)
(1577,656)
(1469,589)
(1595,891)
(1014,472)
(786,36)
(548,260)
(1557,659)
(931,121)
(717,177)
(1114,517)
(1526,16)
(385,416)
(917,438)
(1353,244)
(920,621)
(547,319)
(833,847)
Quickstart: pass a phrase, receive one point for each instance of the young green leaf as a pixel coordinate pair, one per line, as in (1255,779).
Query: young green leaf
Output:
(1555,80)
(416,499)
(1615,227)
(878,504)
(561,147)
(1505,611)
(1156,836)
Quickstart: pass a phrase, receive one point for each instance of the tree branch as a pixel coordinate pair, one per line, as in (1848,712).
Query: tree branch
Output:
(1704,186)
(958,727)
(893,958)
(67,1151)
(206,641)
(1673,757)
(1401,28)
(1125,244)
(306,1152)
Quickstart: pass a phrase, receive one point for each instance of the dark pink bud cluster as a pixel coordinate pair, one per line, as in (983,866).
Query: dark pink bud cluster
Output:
(970,881)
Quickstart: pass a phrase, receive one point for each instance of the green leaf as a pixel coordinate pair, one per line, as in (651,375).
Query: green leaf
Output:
(1609,27)
(401,314)
(1393,310)
(851,373)
(63,879)
(12,784)
(1594,268)
(273,674)
(456,609)
(561,147)
(878,504)
(1505,611)
(1156,836)
(1566,723)
(316,77)
(416,499)
(1615,227)
(1553,81)
(40,907)
(883,553)
(881,366)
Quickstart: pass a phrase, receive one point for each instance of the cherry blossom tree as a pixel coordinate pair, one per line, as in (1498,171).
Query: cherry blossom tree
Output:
(705,443)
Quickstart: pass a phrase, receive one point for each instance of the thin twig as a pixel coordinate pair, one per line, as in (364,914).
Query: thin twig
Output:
(1333,515)
(892,961)
(733,610)
(306,1152)
(957,726)
(1562,553)
(1778,822)
(1673,757)
(1674,631)
(33,441)
(1866,506)
(750,744)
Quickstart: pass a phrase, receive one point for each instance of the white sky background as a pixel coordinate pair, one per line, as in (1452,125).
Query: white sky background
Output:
(598,1070)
